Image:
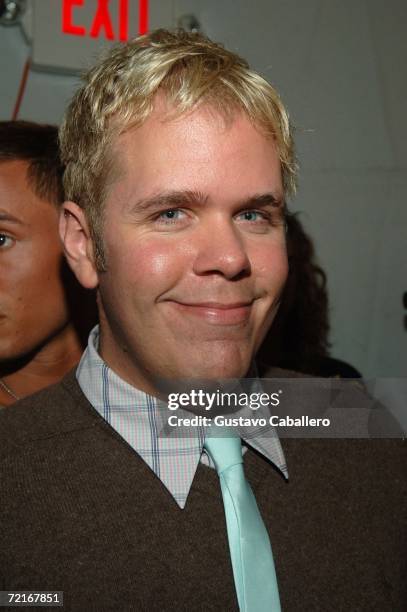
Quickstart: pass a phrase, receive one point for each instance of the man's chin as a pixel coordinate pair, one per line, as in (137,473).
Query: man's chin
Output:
(214,369)
(220,360)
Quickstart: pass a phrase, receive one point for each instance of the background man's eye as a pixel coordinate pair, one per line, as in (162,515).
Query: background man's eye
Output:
(5,241)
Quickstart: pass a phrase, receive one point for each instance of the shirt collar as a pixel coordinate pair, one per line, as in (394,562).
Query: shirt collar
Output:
(138,418)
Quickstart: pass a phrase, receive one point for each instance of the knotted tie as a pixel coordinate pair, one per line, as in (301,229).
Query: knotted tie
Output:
(250,550)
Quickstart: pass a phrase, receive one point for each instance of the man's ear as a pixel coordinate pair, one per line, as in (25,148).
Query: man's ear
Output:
(78,247)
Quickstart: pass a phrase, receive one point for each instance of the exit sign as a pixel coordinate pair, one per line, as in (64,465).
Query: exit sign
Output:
(103,23)
(68,35)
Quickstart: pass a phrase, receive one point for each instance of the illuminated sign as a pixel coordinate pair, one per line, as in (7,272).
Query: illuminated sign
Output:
(68,35)
(103,24)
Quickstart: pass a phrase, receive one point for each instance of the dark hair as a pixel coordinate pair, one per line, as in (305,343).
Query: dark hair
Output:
(300,330)
(38,146)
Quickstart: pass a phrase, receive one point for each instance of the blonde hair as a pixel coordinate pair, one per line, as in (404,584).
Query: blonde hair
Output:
(118,93)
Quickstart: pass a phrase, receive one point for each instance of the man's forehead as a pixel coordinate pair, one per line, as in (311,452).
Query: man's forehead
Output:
(14,183)
(163,113)
(160,160)
(18,199)
(12,167)
(201,133)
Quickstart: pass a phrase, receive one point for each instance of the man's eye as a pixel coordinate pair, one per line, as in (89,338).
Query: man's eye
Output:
(6,241)
(170,216)
(253,216)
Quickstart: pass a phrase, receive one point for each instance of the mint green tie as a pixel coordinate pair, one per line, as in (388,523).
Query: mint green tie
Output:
(249,543)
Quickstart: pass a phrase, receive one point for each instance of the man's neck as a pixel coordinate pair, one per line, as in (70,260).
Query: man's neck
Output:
(46,367)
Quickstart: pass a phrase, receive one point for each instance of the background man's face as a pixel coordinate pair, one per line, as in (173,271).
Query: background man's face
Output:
(32,299)
(195,248)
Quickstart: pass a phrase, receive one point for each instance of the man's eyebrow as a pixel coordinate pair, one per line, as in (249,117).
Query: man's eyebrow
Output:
(171,199)
(174,199)
(265,199)
(5,216)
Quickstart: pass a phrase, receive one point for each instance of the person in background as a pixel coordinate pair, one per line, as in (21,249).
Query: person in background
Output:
(298,338)
(41,337)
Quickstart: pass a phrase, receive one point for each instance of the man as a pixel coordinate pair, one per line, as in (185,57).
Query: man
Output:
(39,339)
(178,161)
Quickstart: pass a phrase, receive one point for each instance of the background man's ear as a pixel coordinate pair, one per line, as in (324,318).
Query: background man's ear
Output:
(78,247)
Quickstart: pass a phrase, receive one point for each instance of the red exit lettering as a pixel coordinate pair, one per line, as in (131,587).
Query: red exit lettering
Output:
(102,23)
(67,26)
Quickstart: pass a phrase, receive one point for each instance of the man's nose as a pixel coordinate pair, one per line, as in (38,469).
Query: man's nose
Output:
(220,249)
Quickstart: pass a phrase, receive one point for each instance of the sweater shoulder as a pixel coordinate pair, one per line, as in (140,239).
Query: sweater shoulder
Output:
(52,411)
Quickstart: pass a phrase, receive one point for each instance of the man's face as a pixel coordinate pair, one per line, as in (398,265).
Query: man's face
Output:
(32,300)
(195,248)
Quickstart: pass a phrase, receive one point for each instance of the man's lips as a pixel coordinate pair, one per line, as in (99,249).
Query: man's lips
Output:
(216,313)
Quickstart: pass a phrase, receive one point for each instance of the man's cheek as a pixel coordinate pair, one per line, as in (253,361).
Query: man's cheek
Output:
(272,271)
(156,260)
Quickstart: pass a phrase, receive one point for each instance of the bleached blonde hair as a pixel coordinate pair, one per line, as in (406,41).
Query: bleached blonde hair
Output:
(118,93)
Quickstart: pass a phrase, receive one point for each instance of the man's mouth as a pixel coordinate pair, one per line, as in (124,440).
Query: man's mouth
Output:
(217,313)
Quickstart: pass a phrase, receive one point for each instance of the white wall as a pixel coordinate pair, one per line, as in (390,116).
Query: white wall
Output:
(340,66)
(46,94)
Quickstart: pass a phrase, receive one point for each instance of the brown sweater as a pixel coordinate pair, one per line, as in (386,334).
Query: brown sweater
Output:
(82,513)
